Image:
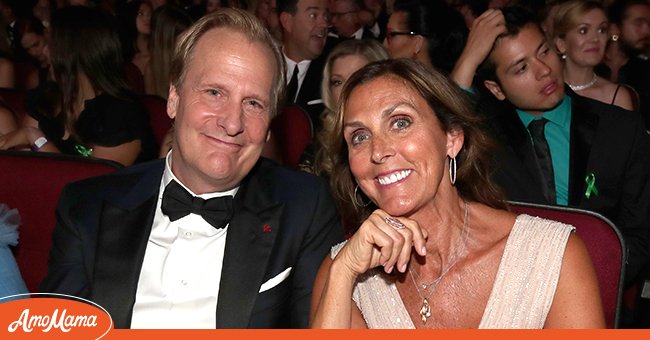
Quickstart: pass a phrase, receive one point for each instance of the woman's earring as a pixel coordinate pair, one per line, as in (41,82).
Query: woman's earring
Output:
(563,56)
(355,201)
(614,37)
(452,170)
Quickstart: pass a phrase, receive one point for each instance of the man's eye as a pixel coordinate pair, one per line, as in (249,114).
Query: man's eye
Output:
(213,92)
(521,70)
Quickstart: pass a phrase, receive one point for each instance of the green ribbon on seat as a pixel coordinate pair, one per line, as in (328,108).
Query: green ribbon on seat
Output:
(591,185)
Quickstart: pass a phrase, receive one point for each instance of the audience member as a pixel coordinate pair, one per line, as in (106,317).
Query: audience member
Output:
(156,259)
(135,31)
(580,36)
(266,11)
(625,61)
(8,15)
(346,21)
(304,26)
(33,40)
(344,59)
(43,9)
(430,32)
(412,158)
(374,16)
(167,23)
(89,111)
(558,147)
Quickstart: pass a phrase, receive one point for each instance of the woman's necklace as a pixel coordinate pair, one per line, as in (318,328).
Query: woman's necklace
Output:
(425,310)
(583,86)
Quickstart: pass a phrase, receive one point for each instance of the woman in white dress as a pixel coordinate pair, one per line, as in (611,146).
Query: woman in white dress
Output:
(436,247)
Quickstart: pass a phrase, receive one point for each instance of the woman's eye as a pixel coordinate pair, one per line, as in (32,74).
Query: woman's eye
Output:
(401,123)
(358,138)
(336,83)
(582,30)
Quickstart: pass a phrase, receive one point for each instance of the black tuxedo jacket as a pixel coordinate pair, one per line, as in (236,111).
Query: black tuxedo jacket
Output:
(309,95)
(103,225)
(606,141)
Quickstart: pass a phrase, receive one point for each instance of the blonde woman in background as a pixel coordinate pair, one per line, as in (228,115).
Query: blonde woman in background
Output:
(580,36)
(346,58)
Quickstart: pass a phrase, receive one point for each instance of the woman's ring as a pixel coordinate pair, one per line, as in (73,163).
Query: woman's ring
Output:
(393,222)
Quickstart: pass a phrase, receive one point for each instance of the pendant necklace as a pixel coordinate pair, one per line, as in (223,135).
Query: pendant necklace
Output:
(583,86)
(425,310)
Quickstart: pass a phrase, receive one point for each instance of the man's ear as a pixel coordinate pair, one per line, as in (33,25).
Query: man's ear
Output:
(419,44)
(495,88)
(172,102)
(286,21)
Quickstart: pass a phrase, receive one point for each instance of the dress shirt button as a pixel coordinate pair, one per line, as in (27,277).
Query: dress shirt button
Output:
(184,282)
(188,234)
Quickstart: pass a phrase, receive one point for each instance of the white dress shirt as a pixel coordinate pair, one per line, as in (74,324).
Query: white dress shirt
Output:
(303,66)
(181,272)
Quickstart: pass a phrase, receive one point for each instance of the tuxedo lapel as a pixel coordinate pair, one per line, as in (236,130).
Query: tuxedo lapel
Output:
(249,241)
(583,130)
(517,137)
(124,226)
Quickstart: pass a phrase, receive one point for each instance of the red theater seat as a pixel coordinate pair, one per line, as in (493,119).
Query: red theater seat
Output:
(604,244)
(32,183)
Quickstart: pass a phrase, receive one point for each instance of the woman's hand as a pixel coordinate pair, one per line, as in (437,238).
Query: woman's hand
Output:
(382,240)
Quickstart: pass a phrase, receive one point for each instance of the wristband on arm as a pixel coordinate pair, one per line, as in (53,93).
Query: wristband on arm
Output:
(38,143)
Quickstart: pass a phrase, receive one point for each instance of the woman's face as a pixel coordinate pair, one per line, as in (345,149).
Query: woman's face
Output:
(143,20)
(584,44)
(397,41)
(342,69)
(397,149)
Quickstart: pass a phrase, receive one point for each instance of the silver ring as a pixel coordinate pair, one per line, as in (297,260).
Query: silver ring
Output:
(393,222)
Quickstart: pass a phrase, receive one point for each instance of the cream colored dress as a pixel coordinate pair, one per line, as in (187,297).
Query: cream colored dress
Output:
(522,293)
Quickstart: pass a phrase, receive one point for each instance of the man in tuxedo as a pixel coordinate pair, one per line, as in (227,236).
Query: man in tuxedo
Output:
(346,20)
(558,147)
(212,236)
(305,44)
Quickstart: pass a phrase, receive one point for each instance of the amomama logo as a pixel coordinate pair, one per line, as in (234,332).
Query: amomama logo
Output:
(30,315)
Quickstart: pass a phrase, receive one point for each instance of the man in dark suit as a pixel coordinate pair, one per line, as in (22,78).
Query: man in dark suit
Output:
(165,244)
(558,147)
(305,44)
(346,21)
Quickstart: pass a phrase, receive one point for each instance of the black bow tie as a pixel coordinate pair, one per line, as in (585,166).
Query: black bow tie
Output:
(177,203)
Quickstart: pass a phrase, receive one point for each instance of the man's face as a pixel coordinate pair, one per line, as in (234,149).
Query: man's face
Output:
(529,72)
(345,18)
(222,111)
(635,28)
(305,32)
